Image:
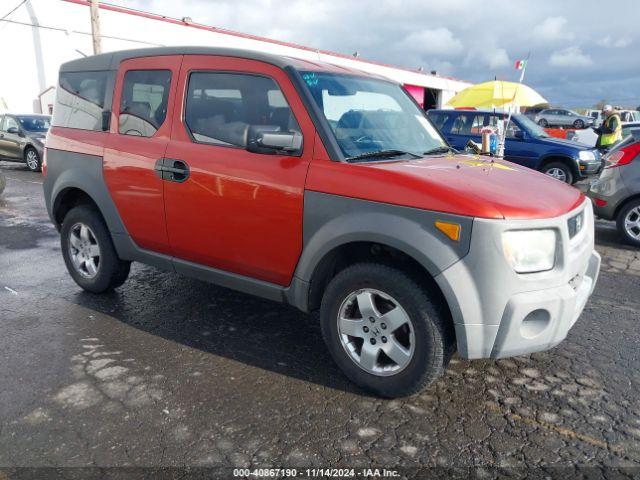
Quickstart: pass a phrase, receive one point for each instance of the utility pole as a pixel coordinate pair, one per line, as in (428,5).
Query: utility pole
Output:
(95,27)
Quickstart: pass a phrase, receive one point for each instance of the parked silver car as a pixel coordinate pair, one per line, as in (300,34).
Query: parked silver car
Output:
(22,138)
(559,117)
(616,193)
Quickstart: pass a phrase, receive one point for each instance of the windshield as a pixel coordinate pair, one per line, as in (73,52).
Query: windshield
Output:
(35,123)
(532,127)
(368,115)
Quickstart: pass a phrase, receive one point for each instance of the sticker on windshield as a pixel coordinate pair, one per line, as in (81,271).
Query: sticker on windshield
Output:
(310,78)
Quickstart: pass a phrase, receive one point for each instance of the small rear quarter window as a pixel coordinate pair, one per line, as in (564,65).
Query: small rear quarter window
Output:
(80,100)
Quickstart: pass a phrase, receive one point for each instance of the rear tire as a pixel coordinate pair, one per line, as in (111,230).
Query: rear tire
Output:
(559,171)
(628,222)
(32,159)
(543,123)
(88,251)
(421,327)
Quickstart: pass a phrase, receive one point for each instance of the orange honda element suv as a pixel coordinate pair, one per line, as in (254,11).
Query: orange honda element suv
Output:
(319,186)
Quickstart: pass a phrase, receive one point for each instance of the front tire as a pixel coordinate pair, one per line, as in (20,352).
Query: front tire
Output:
(543,123)
(32,159)
(559,171)
(89,253)
(383,330)
(628,222)
(578,124)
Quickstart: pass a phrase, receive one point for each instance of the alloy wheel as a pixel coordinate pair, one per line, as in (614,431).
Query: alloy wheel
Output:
(84,250)
(376,332)
(632,223)
(32,159)
(557,173)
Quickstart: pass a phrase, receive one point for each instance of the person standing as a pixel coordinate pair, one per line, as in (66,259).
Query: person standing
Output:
(610,131)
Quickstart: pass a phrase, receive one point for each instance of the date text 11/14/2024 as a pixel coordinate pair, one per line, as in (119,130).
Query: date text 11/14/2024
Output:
(315,473)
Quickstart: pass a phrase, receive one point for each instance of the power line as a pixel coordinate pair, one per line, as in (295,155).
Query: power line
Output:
(14,9)
(60,29)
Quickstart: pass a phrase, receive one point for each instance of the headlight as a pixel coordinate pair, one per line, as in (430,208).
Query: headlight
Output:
(529,251)
(586,155)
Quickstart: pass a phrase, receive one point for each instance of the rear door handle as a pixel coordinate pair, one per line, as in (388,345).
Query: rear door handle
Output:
(172,170)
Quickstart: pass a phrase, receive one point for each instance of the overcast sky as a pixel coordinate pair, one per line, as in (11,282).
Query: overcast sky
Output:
(579,53)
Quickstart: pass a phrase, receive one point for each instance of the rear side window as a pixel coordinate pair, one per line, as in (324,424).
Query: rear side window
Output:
(220,107)
(143,104)
(80,100)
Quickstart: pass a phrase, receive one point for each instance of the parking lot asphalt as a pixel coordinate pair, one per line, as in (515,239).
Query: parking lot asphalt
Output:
(169,371)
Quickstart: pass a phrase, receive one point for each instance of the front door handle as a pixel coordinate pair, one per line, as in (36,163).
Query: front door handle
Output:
(172,170)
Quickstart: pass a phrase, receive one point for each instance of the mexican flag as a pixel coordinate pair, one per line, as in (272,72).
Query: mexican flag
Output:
(521,64)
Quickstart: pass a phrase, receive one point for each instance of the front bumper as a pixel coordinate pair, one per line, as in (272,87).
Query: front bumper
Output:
(499,313)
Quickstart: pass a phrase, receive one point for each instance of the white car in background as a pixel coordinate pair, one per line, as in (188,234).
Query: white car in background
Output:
(625,116)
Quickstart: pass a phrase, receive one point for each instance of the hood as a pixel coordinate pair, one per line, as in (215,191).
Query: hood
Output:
(459,184)
(565,143)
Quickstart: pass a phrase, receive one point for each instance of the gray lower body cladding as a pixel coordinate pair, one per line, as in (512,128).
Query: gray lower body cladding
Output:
(329,222)
(487,300)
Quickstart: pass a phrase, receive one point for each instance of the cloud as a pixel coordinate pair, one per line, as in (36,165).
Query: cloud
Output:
(495,58)
(437,41)
(570,57)
(552,29)
(567,39)
(610,42)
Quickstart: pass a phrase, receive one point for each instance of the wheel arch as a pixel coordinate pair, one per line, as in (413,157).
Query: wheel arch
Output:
(350,253)
(26,147)
(624,203)
(68,198)
(562,158)
(78,176)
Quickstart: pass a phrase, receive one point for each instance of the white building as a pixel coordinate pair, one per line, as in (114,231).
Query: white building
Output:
(41,34)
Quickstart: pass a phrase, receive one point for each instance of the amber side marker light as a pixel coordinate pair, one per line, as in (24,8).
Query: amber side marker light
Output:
(451,230)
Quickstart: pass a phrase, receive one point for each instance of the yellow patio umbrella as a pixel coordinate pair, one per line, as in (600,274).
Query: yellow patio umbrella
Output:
(496,93)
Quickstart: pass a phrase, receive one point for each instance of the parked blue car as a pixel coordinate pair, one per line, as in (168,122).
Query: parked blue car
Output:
(526,143)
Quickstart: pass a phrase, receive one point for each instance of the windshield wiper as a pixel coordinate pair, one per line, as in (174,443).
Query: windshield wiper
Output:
(380,154)
(441,149)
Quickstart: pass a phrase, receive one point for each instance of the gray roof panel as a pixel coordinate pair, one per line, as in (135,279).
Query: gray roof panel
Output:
(111,60)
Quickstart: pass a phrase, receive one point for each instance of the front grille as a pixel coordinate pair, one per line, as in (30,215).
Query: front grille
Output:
(575,224)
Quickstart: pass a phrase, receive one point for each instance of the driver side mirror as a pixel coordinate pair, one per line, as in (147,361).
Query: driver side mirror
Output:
(518,134)
(271,140)
(14,131)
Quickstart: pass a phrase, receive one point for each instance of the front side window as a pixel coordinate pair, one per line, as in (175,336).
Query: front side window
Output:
(531,127)
(144,100)
(462,125)
(439,119)
(369,115)
(10,122)
(513,131)
(221,107)
(80,100)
